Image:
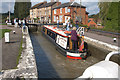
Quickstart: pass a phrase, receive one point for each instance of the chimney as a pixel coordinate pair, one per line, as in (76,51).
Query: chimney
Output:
(72,0)
(57,0)
(54,0)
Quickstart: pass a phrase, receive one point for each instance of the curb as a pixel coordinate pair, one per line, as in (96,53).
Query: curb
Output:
(101,44)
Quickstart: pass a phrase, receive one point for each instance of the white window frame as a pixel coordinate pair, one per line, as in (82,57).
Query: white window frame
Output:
(54,11)
(61,10)
(45,12)
(61,18)
(54,18)
(69,10)
(66,9)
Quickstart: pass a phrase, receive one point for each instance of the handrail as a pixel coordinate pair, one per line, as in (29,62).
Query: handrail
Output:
(110,54)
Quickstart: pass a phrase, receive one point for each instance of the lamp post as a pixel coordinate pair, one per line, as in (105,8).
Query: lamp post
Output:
(9,11)
(80,13)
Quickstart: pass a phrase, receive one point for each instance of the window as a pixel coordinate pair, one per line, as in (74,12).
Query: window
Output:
(66,9)
(61,10)
(31,13)
(45,18)
(54,18)
(45,12)
(61,17)
(66,19)
(54,11)
(40,12)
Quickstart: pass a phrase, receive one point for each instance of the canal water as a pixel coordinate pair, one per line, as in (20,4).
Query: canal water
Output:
(52,64)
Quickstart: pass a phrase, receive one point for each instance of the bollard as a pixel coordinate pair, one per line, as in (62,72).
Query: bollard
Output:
(114,39)
(7,37)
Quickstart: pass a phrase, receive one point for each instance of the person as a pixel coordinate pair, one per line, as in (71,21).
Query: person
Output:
(77,26)
(68,25)
(74,39)
(57,22)
(6,21)
(15,22)
(24,24)
(19,23)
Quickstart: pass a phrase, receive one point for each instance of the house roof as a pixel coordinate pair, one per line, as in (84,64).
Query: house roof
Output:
(38,5)
(69,4)
(91,19)
(47,4)
(87,12)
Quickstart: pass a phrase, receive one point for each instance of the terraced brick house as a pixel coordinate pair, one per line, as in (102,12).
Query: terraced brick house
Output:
(70,10)
(34,13)
(44,11)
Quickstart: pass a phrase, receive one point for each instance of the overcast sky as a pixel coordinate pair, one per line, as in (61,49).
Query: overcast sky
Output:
(91,5)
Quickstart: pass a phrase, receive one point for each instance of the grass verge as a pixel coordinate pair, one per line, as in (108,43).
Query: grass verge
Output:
(20,52)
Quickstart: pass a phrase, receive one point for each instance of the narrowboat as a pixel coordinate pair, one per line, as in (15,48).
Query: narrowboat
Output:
(62,40)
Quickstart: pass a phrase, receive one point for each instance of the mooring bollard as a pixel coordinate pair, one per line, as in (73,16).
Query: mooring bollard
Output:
(114,39)
(7,37)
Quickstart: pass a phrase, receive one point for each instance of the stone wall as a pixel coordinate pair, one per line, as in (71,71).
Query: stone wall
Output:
(101,44)
(27,63)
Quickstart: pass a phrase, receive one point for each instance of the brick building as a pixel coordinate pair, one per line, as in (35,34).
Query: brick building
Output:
(43,11)
(34,10)
(91,23)
(70,10)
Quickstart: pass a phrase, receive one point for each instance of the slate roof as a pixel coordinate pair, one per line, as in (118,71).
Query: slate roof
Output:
(47,4)
(38,5)
(87,12)
(68,4)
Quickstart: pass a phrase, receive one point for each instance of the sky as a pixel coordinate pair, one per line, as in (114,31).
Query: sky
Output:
(91,5)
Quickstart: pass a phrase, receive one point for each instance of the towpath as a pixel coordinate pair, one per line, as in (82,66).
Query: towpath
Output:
(10,50)
(103,38)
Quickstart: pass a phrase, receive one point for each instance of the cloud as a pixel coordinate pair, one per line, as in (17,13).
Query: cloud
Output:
(87,0)
(91,7)
(5,7)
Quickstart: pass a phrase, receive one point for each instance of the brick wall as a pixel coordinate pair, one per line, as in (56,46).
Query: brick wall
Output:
(72,14)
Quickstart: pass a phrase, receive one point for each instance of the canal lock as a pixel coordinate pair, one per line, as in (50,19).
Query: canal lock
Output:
(71,68)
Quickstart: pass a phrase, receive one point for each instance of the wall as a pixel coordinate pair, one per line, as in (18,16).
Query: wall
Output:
(72,14)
